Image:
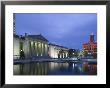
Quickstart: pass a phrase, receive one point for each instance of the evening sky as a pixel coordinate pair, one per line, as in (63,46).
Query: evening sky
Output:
(70,30)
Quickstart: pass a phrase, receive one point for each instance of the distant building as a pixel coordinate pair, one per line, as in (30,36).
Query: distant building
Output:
(57,51)
(73,53)
(90,48)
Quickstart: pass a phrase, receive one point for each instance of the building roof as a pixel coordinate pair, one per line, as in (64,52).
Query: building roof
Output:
(39,37)
(16,36)
(57,45)
(19,36)
(22,37)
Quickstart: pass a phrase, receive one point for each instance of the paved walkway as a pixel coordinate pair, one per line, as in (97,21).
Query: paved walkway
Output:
(19,61)
(57,60)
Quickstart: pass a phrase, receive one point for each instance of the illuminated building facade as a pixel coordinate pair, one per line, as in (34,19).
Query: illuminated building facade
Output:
(37,46)
(31,45)
(56,51)
(90,48)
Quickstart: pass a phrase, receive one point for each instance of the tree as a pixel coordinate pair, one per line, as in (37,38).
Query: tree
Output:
(22,55)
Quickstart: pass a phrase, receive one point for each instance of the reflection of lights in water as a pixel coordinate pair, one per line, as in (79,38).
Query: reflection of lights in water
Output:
(59,64)
(46,67)
(84,63)
(52,65)
(73,65)
(42,68)
(80,69)
(16,69)
(56,64)
(65,65)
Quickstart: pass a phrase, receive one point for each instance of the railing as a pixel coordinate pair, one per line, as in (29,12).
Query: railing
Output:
(18,61)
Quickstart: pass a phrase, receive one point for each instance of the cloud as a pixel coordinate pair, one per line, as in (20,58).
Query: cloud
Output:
(59,28)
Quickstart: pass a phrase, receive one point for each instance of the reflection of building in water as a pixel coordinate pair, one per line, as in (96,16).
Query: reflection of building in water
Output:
(37,46)
(90,48)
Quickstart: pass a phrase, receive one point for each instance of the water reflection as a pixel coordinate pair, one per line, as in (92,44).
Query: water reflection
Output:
(52,68)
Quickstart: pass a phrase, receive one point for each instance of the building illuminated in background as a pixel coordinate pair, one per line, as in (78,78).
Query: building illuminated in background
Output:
(51,44)
(37,46)
(90,48)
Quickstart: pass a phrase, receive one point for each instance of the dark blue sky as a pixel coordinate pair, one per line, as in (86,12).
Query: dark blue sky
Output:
(70,30)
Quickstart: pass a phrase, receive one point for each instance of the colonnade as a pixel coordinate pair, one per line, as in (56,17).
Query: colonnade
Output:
(38,48)
(63,54)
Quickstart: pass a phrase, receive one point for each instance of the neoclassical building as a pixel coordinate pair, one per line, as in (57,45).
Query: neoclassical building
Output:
(56,51)
(31,45)
(37,46)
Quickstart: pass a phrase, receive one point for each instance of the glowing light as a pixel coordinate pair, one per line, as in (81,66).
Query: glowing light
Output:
(42,44)
(52,66)
(73,66)
(31,43)
(45,45)
(39,44)
(35,44)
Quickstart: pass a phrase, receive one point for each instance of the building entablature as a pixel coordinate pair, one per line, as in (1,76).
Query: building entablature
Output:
(37,37)
(58,47)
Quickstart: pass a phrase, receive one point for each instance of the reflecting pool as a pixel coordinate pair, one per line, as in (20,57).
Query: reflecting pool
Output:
(55,68)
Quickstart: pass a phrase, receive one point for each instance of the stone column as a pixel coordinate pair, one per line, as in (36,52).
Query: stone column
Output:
(63,54)
(31,48)
(66,54)
(44,50)
(37,48)
(41,49)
